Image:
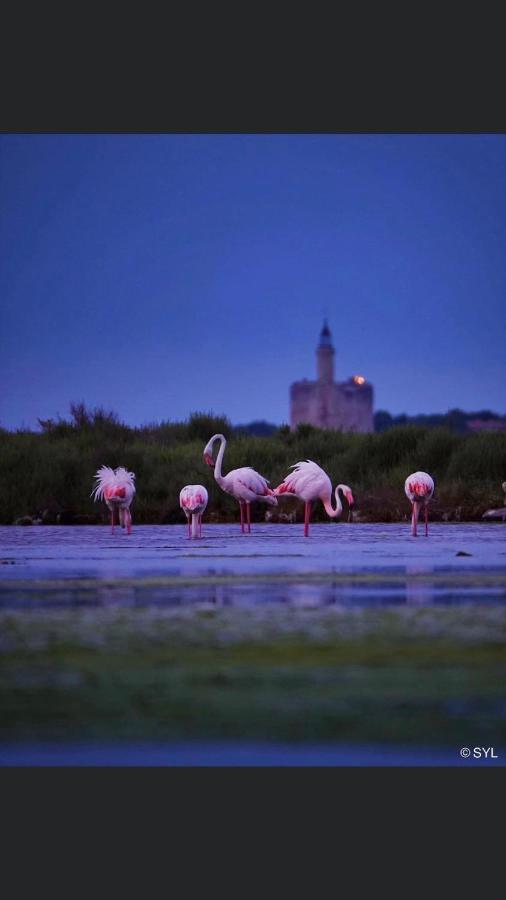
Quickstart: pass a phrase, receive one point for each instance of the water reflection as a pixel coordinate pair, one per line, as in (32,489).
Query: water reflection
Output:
(415,587)
(419,591)
(355,565)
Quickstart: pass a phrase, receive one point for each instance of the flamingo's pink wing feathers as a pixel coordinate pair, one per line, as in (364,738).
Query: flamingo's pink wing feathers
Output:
(306,474)
(419,485)
(193,497)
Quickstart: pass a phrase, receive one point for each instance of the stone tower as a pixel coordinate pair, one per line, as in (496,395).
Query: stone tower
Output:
(325,403)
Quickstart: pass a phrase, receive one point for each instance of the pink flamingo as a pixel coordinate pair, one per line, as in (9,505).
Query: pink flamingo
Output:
(193,501)
(245,484)
(309,482)
(419,488)
(117,488)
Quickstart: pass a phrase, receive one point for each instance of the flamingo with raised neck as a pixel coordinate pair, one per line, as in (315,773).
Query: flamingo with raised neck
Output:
(245,484)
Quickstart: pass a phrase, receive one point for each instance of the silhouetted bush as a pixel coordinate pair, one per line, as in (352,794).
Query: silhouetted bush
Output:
(455,420)
(201,426)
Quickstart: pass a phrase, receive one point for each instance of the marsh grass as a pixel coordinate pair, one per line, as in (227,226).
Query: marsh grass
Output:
(433,676)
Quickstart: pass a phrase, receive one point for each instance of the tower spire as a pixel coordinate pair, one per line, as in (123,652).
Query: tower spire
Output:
(325,355)
(325,336)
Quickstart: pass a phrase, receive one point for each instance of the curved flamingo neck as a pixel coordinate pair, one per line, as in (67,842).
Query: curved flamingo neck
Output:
(219,459)
(327,503)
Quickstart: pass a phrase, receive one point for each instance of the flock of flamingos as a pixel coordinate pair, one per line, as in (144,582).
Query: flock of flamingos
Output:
(307,482)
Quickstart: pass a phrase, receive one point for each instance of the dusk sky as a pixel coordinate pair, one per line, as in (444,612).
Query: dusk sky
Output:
(157,275)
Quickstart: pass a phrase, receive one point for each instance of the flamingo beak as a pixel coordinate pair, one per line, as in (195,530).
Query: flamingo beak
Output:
(209,460)
(351,503)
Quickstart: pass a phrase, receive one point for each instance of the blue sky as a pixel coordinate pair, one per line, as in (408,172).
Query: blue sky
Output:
(162,274)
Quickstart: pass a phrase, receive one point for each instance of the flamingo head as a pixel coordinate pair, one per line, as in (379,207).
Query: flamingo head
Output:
(208,449)
(347,492)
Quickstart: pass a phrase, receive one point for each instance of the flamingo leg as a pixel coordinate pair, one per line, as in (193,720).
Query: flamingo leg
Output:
(189,526)
(414,518)
(426,520)
(112,521)
(307,516)
(128,517)
(200,525)
(242,516)
(248,513)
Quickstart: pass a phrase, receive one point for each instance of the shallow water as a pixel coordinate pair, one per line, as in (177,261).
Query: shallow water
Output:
(338,564)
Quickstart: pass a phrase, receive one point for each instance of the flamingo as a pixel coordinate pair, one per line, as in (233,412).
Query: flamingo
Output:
(309,482)
(245,484)
(193,501)
(117,488)
(419,488)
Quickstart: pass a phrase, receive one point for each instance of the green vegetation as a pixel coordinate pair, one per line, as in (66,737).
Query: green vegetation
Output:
(49,474)
(431,675)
